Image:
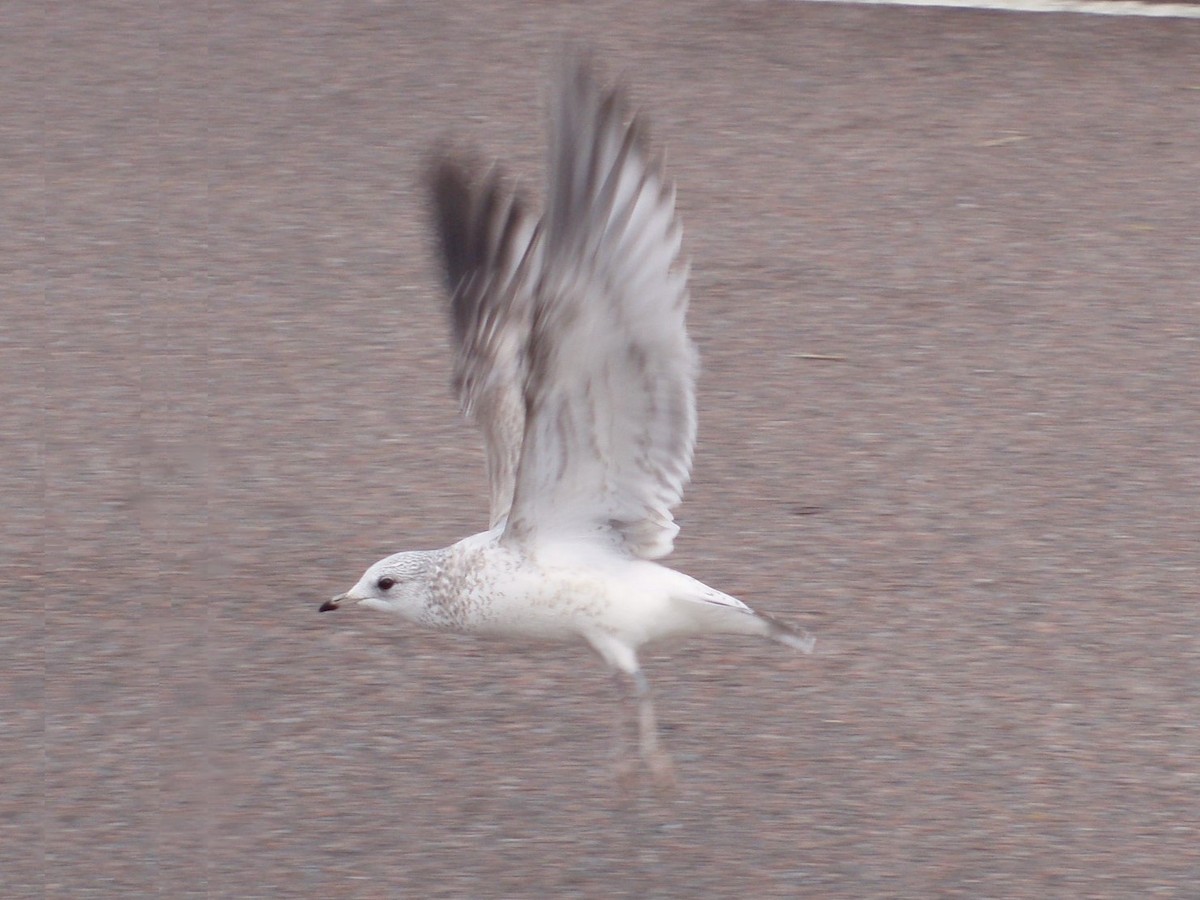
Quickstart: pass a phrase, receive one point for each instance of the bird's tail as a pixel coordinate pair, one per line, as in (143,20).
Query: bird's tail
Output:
(729,614)
(796,638)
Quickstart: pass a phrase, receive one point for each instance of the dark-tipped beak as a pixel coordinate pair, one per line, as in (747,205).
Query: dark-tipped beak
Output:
(332,604)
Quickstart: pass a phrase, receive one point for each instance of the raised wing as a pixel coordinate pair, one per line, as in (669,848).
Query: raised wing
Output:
(488,240)
(609,395)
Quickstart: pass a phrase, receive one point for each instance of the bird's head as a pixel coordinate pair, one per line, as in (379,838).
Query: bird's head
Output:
(399,583)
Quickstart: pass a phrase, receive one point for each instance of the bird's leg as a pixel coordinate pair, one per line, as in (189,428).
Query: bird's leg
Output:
(623,659)
(656,758)
(625,765)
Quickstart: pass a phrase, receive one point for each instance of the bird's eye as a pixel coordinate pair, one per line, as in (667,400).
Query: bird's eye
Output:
(385,583)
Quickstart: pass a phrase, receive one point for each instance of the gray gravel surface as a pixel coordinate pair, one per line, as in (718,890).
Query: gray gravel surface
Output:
(224,381)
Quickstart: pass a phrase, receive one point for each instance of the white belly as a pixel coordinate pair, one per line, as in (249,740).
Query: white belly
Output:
(561,595)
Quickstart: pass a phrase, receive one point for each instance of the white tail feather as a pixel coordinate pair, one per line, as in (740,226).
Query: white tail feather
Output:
(796,638)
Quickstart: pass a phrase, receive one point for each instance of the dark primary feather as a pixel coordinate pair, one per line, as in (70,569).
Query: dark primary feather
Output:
(478,227)
(486,235)
(452,208)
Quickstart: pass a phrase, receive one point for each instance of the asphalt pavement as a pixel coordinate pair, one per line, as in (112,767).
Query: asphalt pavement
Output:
(945,269)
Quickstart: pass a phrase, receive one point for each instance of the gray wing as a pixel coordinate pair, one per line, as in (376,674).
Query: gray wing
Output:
(487,241)
(610,405)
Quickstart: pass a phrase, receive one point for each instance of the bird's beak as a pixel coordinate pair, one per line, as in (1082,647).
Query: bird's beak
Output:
(332,604)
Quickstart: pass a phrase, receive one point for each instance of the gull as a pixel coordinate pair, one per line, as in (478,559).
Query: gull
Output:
(573,359)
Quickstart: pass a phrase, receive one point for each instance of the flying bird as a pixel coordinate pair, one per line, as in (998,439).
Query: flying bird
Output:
(572,357)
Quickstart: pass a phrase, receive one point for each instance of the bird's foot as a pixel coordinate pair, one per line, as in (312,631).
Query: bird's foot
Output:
(626,772)
(656,766)
(662,770)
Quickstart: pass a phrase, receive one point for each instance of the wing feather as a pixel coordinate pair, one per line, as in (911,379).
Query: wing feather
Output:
(487,241)
(610,421)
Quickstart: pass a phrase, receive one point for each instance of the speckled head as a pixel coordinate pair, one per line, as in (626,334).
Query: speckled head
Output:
(400,584)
